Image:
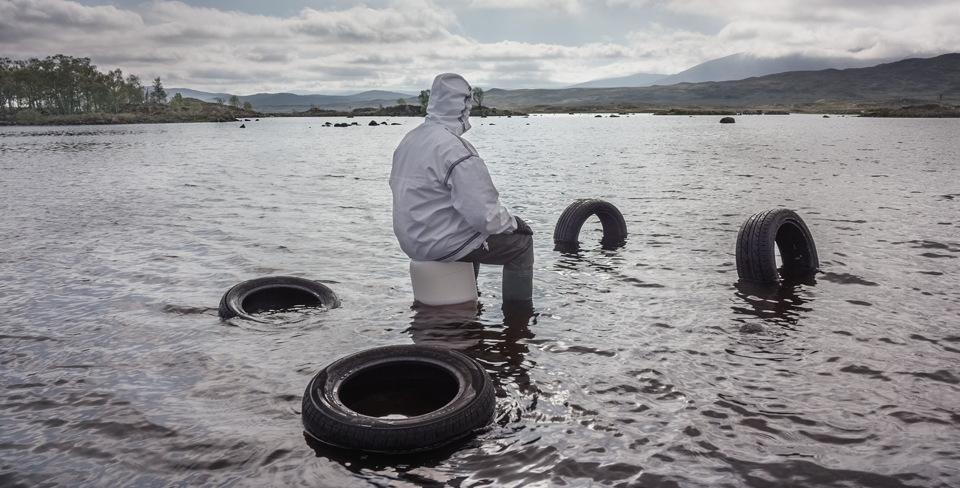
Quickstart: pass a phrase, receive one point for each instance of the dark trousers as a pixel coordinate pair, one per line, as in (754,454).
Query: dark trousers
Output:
(515,253)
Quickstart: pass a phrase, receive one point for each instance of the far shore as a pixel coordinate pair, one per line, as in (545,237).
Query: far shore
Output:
(196,111)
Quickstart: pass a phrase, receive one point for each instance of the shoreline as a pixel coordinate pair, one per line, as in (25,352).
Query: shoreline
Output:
(197,111)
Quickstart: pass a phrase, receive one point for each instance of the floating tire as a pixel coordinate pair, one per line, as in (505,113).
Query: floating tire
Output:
(566,235)
(756,241)
(275,293)
(398,399)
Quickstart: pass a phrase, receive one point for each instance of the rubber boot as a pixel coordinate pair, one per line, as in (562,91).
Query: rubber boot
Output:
(517,283)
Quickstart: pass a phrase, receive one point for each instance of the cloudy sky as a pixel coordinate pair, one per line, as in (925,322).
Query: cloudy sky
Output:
(333,46)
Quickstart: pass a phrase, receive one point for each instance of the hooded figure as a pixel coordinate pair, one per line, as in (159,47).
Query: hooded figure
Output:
(445,206)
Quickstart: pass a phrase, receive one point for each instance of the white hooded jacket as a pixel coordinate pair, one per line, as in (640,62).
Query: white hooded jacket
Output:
(444,202)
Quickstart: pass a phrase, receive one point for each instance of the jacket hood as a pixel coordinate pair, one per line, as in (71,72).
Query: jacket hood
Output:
(450,101)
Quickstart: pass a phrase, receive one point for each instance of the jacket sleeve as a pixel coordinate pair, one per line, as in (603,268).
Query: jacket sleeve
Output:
(477,200)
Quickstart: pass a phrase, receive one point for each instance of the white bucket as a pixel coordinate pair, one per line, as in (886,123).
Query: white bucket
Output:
(436,283)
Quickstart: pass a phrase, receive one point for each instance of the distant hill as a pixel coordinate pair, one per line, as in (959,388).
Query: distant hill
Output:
(287,102)
(639,79)
(199,95)
(733,67)
(907,79)
(742,66)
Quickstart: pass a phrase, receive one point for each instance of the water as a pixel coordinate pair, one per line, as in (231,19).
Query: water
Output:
(638,368)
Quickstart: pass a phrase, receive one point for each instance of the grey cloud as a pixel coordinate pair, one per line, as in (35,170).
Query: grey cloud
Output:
(403,44)
(268,57)
(382,59)
(339,72)
(219,75)
(362,24)
(57,13)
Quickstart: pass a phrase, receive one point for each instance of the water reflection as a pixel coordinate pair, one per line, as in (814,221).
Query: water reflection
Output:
(501,348)
(609,263)
(779,304)
(576,260)
(397,466)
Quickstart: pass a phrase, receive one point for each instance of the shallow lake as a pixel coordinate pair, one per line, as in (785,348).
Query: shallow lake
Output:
(635,370)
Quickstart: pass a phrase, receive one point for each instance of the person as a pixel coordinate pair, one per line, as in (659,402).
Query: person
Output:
(445,206)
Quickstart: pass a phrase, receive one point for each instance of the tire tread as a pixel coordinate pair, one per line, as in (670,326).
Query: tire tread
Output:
(757,245)
(566,234)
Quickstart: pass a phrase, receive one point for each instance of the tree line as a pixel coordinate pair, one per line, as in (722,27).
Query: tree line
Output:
(65,85)
(68,85)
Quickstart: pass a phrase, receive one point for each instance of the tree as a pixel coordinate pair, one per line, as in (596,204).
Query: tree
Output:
(401,102)
(6,84)
(220,100)
(30,84)
(424,98)
(135,91)
(158,94)
(176,103)
(65,85)
(478,97)
(247,106)
(116,89)
(69,84)
(234,101)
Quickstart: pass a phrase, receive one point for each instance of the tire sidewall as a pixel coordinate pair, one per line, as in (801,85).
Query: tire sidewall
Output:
(231,305)
(322,393)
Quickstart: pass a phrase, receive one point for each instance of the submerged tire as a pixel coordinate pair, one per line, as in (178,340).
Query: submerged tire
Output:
(566,235)
(398,399)
(275,293)
(756,258)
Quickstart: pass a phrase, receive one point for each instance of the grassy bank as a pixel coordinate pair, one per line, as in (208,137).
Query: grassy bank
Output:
(931,110)
(194,110)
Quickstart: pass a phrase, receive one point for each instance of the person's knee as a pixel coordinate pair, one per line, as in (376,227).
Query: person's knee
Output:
(524,256)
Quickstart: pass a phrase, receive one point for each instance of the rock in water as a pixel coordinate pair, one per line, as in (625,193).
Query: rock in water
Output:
(727,120)
(751,329)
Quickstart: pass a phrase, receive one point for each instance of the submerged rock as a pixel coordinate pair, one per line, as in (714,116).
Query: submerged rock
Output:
(752,329)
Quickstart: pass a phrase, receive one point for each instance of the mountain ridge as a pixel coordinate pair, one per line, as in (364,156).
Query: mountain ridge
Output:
(915,78)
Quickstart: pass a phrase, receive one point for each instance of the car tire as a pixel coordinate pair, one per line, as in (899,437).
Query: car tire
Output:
(398,399)
(274,293)
(765,232)
(566,235)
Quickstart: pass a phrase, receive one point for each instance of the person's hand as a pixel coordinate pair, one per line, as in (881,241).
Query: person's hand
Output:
(522,227)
